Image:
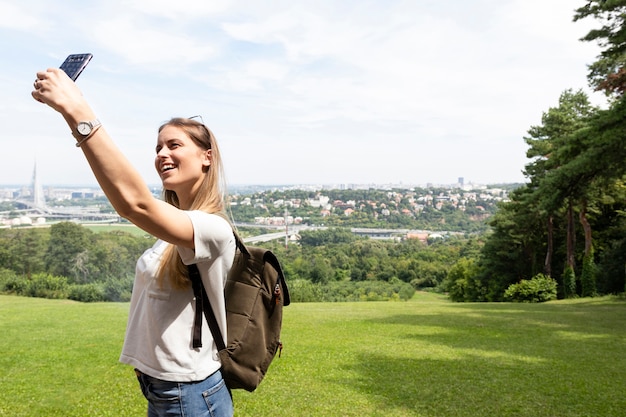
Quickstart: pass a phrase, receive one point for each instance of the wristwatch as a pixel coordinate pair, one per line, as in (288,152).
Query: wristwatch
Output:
(84,129)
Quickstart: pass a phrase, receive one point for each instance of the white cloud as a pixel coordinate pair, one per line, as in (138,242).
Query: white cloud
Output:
(180,9)
(148,45)
(374,90)
(14,17)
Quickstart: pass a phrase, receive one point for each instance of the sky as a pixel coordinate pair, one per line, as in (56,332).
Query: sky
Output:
(297,92)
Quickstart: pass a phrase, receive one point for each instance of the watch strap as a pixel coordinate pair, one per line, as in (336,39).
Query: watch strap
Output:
(95,125)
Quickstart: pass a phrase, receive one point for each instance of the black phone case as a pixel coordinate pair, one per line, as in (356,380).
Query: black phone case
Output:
(75,64)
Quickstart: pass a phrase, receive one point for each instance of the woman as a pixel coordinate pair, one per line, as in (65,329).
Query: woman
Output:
(175,378)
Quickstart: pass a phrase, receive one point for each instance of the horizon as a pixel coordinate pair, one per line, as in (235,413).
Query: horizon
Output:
(460,181)
(152,186)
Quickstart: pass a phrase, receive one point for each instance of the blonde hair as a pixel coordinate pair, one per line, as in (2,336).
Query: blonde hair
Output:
(211,196)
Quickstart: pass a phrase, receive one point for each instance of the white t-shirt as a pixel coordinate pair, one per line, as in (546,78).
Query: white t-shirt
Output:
(159,333)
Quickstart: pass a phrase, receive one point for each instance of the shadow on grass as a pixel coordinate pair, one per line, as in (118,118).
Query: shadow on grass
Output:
(457,388)
(499,360)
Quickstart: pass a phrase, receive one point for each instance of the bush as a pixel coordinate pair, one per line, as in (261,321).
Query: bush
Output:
(588,277)
(14,285)
(536,290)
(118,290)
(462,283)
(6,275)
(87,293)
(302,290)
(394,290)
(46,286)
(569,283)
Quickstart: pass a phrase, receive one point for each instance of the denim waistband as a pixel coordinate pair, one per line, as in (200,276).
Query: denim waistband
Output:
(140,374)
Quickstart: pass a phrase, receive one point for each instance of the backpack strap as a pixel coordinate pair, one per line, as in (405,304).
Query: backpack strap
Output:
(240,244)
(203,305)
(270,258)
(238,240)
(202,300)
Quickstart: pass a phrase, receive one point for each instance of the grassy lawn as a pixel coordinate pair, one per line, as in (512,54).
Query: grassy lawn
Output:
(426,357)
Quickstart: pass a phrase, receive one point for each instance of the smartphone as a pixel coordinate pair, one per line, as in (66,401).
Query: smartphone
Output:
(75,64)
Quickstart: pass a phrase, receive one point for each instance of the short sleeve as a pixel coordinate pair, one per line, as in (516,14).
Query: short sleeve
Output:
(213,235)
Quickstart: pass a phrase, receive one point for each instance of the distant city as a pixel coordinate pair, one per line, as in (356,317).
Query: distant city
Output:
(28,204)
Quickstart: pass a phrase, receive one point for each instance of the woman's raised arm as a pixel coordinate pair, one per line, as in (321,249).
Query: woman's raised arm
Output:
(120,181)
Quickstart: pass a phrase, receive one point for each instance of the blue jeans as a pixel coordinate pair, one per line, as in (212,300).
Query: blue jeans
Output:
(208,398)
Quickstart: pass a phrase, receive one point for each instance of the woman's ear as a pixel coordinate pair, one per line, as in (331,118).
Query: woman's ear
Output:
(207,158)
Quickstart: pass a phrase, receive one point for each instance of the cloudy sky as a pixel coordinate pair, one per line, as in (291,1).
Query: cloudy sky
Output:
(297,92)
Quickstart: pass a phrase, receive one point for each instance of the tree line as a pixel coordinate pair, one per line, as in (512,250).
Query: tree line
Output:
(68,260)
(336,265)
(567,223)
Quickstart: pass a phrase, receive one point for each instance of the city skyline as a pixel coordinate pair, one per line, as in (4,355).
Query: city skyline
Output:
(36,186)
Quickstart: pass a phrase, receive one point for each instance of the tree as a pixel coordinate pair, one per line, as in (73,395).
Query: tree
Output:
(320,270)
(588,276)
(554,144)
(23,250)
(512,252)
(461,282)
(67,241)
(607,73)
(325,237)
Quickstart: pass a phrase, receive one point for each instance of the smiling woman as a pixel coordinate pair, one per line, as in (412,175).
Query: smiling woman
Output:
(191,228)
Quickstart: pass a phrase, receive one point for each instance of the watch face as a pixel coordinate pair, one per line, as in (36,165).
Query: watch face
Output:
(83,128)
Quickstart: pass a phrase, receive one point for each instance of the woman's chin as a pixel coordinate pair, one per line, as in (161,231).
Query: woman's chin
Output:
(166,186)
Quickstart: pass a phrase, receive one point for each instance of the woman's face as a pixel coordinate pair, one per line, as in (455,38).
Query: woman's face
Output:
(180,163)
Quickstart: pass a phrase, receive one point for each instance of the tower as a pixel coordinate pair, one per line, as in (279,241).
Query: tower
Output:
(39,200)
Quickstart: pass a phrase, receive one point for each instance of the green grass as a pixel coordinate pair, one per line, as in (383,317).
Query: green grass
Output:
(123,227)
(426,357)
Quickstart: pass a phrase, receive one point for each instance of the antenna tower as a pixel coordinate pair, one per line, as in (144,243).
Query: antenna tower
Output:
(39,200)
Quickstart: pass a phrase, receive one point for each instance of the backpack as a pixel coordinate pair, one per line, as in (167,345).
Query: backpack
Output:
(255,293)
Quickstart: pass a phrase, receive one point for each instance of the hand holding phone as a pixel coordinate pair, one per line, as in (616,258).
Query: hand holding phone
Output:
(75,64)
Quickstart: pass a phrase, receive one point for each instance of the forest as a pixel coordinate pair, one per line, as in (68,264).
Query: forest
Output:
(68,260)
(561,234)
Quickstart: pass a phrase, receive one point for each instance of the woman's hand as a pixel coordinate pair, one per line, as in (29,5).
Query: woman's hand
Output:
(54,88)
(122,184)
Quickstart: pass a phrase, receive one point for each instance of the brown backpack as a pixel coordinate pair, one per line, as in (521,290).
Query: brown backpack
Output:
(255,294)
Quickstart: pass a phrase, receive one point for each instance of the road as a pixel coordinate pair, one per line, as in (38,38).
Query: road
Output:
(372,233)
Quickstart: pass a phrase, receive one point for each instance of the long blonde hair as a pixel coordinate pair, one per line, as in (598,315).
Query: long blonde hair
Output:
(211,196)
